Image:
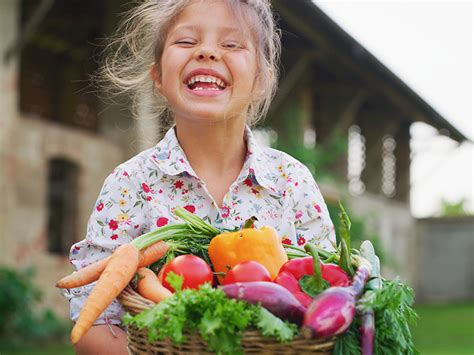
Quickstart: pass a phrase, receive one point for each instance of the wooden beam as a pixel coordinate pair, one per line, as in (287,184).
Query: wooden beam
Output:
(351,56)
(290,80)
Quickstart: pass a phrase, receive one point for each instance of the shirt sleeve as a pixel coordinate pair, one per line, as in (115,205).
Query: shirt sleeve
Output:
(119,215)
(312,221)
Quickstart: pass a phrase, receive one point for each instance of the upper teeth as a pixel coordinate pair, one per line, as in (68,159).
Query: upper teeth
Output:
(206,79)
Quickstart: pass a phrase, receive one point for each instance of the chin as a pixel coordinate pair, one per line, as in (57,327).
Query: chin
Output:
(209,115)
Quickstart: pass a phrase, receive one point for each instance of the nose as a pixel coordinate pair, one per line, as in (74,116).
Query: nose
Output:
(206,52)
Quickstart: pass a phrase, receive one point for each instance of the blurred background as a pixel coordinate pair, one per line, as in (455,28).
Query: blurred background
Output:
(375,98)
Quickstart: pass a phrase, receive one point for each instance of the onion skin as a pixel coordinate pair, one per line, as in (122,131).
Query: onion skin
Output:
(331,313)
(367,333)
(333,310)
(275,298)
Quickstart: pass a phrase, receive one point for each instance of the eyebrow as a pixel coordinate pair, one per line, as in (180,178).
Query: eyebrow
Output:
(223,29)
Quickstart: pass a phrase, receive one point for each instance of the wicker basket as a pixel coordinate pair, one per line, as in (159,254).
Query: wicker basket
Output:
(252,341)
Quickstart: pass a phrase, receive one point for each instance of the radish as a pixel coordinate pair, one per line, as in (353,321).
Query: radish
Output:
(333,310)
(367,328)
(275,298)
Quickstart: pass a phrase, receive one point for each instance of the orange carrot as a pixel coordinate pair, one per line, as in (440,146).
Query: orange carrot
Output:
(117,274)
(150,287)
(84,276)
(153,253)
(91,272)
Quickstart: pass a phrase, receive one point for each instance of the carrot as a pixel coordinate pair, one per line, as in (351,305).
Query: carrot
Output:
(150,287)
(153,253)
(117,274)
(84,276)
(91,272)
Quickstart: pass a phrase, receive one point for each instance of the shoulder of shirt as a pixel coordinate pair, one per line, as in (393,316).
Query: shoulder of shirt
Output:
(278,159)
(138,164)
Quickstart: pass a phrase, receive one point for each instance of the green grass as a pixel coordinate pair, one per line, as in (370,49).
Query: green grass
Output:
(445,329)
(38,349)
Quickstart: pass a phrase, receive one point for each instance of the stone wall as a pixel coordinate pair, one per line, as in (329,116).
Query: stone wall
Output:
(26,244)
(390,220)
(445,270)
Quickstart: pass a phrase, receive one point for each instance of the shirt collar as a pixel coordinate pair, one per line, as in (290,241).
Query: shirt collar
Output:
(256,163)
(171,160)
(170,157)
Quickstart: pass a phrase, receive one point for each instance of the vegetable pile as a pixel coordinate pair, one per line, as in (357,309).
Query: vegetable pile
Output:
(220,283)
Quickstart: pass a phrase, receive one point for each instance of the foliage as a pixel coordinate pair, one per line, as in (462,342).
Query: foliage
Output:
(451,209)
(19,314)
(358,231)
(392,306)
(319,159)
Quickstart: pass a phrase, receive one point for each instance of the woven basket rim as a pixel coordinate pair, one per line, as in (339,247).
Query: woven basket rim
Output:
(252,341)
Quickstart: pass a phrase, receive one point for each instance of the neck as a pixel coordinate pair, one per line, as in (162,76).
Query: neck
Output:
(217,147)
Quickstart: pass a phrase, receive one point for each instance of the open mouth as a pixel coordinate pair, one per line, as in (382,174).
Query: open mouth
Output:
(205,82)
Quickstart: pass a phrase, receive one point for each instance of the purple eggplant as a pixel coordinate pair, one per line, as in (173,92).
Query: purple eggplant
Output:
(275,298)
(333,310)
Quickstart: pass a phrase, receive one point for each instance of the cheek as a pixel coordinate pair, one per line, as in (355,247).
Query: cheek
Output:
(243,69)
(170,68)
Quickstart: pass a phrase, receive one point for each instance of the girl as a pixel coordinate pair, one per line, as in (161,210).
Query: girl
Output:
(211,67)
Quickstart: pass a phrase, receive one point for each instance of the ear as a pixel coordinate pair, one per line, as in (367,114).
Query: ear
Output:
(154,73)
(259,87)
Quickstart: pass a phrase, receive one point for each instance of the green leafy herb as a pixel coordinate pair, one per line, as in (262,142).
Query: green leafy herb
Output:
(272,326)
(176,281)
(345,241)
(310,287)
(219,320)
(348,343)
(392,306)
(394,314)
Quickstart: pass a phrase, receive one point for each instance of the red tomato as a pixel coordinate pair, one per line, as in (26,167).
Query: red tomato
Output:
(195,271)
(247,271)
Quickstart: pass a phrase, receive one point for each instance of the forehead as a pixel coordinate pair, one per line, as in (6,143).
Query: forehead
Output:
(227,16)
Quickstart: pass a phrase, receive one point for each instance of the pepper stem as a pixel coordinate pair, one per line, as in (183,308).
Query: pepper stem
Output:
(249,222)
(317,276)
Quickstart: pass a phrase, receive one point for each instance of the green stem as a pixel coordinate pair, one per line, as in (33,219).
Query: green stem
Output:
(317,276)
(162,233)
(249,222)
(196,222)
(327,255)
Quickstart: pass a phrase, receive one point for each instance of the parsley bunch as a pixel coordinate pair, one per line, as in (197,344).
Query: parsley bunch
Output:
(219,320)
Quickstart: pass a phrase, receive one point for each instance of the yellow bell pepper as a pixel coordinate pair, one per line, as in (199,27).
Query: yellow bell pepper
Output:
(261,245)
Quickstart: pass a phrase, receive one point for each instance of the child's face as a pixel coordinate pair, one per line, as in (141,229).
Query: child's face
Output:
(208,66)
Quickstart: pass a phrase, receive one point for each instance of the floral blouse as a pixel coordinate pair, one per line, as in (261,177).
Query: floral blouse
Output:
(140,195)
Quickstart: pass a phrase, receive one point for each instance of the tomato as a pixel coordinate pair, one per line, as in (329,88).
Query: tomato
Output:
(195,271)
(247,271)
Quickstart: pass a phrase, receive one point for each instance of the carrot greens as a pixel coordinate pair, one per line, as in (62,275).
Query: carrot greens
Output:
(392,306)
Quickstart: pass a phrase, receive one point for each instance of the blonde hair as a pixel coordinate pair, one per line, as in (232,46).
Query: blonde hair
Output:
(139,40)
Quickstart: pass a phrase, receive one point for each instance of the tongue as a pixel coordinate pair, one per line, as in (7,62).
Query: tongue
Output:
(205,86)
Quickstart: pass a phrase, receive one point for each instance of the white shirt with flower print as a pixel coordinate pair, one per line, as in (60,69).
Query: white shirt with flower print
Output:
(140,195)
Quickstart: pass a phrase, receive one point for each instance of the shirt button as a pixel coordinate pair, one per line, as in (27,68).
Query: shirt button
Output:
(77,291)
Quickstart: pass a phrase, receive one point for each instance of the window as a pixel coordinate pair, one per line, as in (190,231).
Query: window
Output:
(62,205)
(389,168)
(355,160)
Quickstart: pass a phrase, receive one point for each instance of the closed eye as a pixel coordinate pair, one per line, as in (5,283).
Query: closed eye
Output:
(232,45)
(185,42)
